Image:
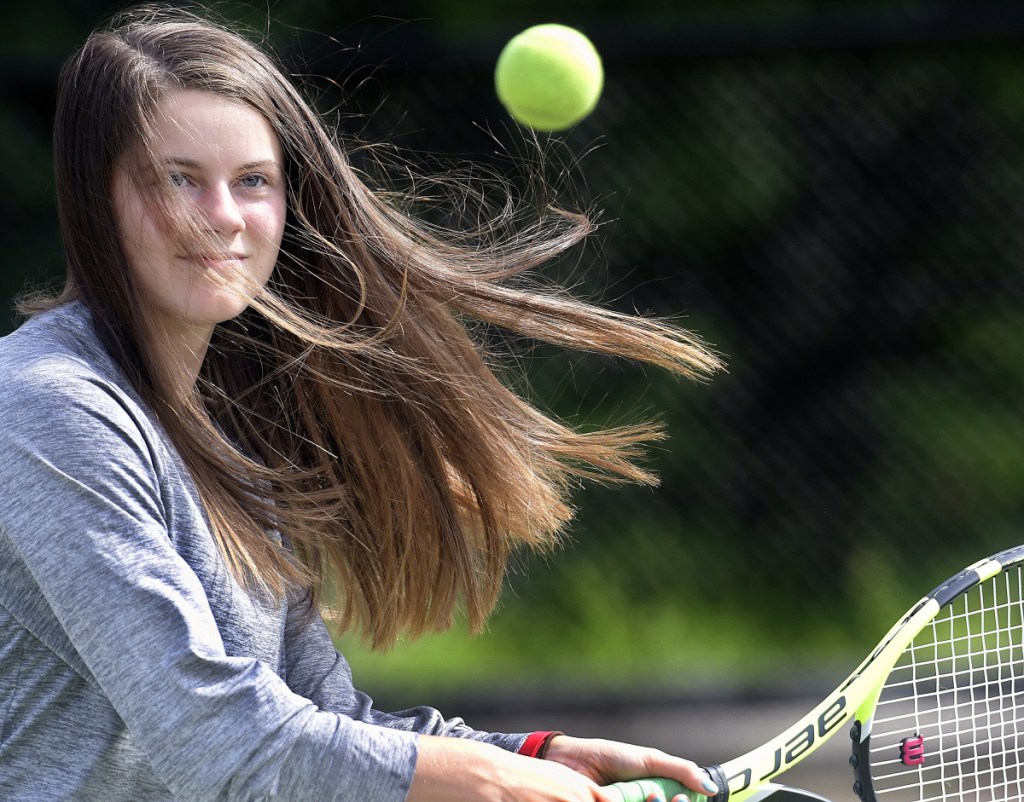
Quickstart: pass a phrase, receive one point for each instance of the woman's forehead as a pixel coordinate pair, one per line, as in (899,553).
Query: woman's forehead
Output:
(194,123)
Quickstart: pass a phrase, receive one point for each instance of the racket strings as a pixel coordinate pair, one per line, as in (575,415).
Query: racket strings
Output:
(950,722)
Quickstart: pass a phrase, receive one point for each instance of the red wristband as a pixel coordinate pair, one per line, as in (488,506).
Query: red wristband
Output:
(536,743)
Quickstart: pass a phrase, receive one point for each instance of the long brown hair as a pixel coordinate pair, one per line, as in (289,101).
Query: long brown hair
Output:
(354,407)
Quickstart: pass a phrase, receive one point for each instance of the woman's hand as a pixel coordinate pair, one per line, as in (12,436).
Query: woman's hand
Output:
(460,770)
(606,762)
(573,769)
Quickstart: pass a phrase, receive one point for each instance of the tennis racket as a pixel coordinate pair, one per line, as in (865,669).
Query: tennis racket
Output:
(935,712)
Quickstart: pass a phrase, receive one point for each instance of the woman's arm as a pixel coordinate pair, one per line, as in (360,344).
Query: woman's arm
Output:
(447,770)
(83,522)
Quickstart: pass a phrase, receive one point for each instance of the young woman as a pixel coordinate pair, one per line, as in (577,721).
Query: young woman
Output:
(260,375)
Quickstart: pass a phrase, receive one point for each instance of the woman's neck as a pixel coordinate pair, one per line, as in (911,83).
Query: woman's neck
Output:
(177,356)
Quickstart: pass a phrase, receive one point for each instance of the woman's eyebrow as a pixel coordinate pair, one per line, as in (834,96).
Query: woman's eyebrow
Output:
(260,163)
(182,161)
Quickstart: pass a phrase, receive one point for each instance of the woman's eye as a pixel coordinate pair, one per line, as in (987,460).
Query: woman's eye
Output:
(179,179)
(254,181)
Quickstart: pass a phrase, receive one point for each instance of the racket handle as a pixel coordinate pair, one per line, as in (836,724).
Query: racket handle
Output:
(639,790)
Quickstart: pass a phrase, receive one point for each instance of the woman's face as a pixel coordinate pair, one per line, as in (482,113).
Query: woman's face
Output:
(225,159)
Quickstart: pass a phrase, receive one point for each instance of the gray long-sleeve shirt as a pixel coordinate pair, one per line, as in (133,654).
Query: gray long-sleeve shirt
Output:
(132,666)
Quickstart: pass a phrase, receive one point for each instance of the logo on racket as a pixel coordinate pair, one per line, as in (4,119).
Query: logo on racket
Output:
(912,751)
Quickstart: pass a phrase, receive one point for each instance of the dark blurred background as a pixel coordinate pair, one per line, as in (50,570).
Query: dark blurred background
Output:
(830,193)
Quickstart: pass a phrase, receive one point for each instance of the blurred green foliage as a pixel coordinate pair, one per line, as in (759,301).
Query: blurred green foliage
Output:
(830,193)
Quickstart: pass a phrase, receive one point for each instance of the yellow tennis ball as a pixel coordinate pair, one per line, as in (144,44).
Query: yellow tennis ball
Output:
(549,77)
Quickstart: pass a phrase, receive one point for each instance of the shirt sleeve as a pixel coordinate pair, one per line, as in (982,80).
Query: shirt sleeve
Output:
(81,510)
(317,671)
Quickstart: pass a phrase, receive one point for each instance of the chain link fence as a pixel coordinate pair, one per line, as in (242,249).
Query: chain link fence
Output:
(843,220)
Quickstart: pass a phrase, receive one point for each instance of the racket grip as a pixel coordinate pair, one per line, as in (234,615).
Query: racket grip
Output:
(639,790)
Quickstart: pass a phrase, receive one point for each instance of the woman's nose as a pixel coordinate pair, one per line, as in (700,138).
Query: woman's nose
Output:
(222,210)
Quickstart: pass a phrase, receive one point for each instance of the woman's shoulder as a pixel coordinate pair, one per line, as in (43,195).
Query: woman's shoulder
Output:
(63,397)
(54,357)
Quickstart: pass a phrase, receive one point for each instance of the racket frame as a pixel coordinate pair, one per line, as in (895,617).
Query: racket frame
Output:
(855,699)
(747,778)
